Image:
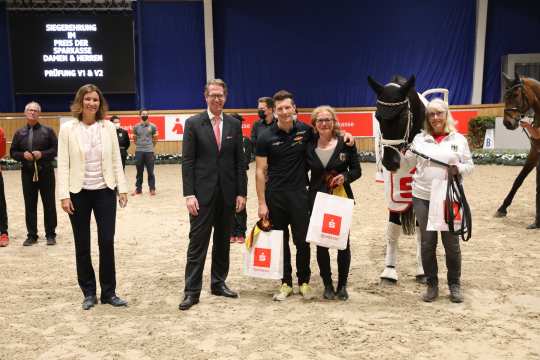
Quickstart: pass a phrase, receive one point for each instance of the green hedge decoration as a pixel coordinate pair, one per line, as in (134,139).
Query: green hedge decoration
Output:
(477,130)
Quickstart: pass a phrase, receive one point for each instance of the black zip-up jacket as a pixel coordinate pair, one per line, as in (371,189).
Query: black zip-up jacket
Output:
(44,140)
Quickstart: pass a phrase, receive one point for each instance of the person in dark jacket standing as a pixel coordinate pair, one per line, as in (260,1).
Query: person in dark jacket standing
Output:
(265,110)
(332,164)
(35,146)
(215,185)
(123,139)
(239,226)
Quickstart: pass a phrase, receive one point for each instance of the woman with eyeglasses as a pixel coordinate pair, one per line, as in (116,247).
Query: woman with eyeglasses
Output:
(332,164)
(439,140)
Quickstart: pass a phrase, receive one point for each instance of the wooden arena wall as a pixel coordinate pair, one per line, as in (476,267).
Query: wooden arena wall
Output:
(10,122)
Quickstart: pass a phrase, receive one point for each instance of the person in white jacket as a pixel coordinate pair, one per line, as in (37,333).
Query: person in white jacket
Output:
(439,140)
(89,176)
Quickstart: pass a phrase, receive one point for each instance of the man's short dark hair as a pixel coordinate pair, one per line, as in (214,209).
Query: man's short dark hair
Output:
(283,95)
(267,100)
(141,111)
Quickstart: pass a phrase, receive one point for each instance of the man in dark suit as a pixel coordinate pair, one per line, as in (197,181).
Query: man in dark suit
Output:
(215,185)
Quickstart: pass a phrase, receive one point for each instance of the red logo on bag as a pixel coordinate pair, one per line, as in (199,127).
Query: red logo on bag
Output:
(455,210)
(262,257)
(331,224)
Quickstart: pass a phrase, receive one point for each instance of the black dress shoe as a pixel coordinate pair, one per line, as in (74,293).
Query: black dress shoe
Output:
(533,226)
(114,301)
(189,301)
(51,240)
(329,292)
(342,293)
(29,241)
(89,301)
(224,291)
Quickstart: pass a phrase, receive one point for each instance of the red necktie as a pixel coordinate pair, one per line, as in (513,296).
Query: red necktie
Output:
(217,132)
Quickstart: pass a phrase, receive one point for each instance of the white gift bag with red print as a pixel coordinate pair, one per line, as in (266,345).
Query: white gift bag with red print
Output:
(330,221)
(438,213)
(265,258)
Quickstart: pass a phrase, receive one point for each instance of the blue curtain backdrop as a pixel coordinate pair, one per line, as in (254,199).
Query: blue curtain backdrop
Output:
(323,53)
(173,62)
(6,97)
(513,27)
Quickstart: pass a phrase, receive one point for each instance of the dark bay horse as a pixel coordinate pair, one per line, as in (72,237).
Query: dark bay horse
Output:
(522,96)
(400,113)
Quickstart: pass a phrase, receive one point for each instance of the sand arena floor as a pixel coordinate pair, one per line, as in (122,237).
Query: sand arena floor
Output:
(41,317)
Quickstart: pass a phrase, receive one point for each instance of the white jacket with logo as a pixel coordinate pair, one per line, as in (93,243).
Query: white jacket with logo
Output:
(452,150)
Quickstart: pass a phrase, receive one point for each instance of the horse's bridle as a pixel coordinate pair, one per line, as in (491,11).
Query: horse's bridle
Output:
(523,108)
(398,144)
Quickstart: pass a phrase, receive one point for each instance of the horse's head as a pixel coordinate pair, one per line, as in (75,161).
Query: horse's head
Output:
(394,116)
(516,101)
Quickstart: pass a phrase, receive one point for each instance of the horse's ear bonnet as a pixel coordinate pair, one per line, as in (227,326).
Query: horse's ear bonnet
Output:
(377,88)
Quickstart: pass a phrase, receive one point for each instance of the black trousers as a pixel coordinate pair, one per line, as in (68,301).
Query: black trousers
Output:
(216,215)
(103,204)
(3,208)
(123,156)
(292,208)
(343,261)
(429,247)
(45,186)
(239,224)
(143,159)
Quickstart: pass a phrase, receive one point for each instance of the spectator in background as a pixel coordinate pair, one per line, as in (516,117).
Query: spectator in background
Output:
(239,226)
(123,139)
(35,146)
(265,111)
(145,137)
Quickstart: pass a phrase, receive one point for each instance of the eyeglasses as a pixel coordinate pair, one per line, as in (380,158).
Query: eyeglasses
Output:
(325,121)
(438,113)
(216,96)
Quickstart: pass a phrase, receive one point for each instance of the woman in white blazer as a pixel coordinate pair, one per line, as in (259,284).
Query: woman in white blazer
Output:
(89,176)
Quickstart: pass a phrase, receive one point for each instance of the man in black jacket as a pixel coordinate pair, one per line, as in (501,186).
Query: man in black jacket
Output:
(215,185)
(35,146)
(123,139)
(265,110)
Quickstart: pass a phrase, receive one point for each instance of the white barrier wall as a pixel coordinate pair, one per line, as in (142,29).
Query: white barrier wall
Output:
(510,139)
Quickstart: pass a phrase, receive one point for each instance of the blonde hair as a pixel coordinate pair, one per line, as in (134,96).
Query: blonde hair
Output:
(319,109)
(77,105)
(216,82)
(438,104)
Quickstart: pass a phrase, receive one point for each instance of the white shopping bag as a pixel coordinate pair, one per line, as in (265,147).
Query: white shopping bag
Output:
(265,258)
(437,208)
(330,221)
